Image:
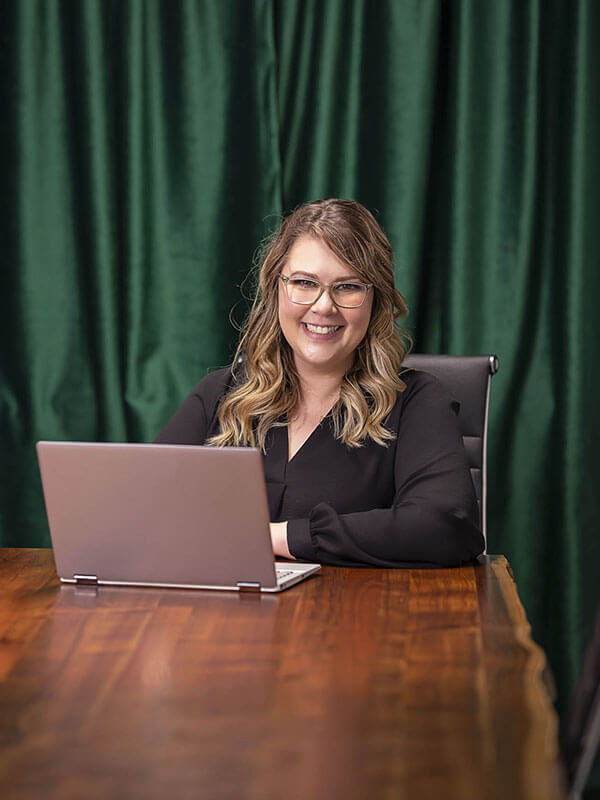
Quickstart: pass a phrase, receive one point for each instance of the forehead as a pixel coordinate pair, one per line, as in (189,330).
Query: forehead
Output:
(312,257)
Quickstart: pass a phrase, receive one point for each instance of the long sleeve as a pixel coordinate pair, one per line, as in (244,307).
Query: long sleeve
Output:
(432,519)
(193,420)
(188,425)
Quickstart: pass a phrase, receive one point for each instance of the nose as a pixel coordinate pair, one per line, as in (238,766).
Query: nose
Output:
(325,305)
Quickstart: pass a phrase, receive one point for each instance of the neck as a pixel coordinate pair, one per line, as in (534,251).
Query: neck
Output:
(319,387)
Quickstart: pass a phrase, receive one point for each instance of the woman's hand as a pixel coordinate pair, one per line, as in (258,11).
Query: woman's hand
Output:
(279,539)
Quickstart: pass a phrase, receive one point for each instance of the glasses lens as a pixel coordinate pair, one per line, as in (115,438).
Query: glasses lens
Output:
(302,290)
(349,295)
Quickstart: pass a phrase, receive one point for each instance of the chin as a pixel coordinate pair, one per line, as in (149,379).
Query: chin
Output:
(335,361)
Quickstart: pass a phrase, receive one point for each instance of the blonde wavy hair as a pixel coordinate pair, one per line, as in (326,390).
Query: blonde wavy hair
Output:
(267,390)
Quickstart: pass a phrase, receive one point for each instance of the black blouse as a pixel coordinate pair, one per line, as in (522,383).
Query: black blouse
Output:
(411,503)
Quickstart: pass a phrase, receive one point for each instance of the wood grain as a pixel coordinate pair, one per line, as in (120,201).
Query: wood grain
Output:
(357,683)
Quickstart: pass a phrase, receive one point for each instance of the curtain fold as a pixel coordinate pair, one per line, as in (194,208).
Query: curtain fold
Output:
(149,146)
(146,171)
(357,88)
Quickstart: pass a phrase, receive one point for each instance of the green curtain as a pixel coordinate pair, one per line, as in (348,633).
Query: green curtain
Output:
(149,146)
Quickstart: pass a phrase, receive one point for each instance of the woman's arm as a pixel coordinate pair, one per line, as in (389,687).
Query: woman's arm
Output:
(192,422)
(433,517)
(279,539)
(189,424)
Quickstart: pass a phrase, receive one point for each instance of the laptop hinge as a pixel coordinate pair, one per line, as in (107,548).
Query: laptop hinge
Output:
(248,586)
(86,580)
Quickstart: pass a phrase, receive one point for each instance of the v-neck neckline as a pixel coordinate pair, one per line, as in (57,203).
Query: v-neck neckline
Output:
(310,436)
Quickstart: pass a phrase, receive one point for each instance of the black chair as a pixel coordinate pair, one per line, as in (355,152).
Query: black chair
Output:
(468,379)
(580,731)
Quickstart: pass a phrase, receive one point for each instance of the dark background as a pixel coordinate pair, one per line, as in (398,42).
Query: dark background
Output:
(148,147)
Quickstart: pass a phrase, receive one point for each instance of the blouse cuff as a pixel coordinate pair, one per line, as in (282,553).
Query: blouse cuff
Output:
(299,540)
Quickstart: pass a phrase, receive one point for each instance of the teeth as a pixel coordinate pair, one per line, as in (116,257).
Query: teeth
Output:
(319,329)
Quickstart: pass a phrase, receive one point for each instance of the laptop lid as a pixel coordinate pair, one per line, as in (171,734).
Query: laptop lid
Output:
(168,515)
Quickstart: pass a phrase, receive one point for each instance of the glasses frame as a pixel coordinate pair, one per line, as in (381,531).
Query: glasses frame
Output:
(322,288)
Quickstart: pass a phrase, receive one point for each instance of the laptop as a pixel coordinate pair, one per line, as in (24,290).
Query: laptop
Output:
(161,515)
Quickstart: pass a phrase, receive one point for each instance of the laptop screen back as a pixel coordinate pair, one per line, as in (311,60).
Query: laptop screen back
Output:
(167,514)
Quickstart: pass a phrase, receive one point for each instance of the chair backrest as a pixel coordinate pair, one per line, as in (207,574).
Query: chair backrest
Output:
(468,379)
(580,730)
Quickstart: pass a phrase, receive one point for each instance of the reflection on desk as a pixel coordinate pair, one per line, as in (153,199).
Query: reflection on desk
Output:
(358,683)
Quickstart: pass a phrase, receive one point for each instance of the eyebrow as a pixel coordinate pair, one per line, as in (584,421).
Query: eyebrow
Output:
(316,277)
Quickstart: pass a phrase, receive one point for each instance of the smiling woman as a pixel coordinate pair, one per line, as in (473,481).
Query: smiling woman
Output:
(322,334)
(364,462)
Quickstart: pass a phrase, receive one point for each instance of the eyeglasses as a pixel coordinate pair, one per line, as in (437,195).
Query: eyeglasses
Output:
(345,294)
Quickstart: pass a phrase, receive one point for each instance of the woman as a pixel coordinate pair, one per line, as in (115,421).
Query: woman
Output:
(364,463)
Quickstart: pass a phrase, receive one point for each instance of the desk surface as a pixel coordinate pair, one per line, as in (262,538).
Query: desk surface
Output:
(358,683)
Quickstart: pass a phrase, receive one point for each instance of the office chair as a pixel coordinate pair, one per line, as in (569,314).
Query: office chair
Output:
(468,380)
(580,732)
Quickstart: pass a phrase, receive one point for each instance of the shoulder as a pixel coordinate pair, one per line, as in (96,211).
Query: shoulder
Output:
(213,386)
(190,423)
(422,387)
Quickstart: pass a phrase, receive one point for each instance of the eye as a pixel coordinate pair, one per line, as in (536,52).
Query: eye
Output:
(302,283)
(347,288)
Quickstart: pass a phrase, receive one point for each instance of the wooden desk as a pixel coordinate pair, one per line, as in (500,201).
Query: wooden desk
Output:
(358,683)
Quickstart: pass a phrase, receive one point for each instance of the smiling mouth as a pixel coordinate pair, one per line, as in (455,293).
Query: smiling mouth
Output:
(324,330)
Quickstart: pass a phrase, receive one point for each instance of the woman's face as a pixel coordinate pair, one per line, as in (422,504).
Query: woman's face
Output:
(322,336)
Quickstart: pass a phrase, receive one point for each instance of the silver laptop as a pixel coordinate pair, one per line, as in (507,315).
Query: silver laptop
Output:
(161,515)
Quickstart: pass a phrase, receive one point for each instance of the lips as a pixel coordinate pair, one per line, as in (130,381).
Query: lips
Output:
(321,331)
(322,328)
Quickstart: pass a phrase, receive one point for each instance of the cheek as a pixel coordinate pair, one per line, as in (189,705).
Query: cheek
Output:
(285,315)
(361,323)
(281,310)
